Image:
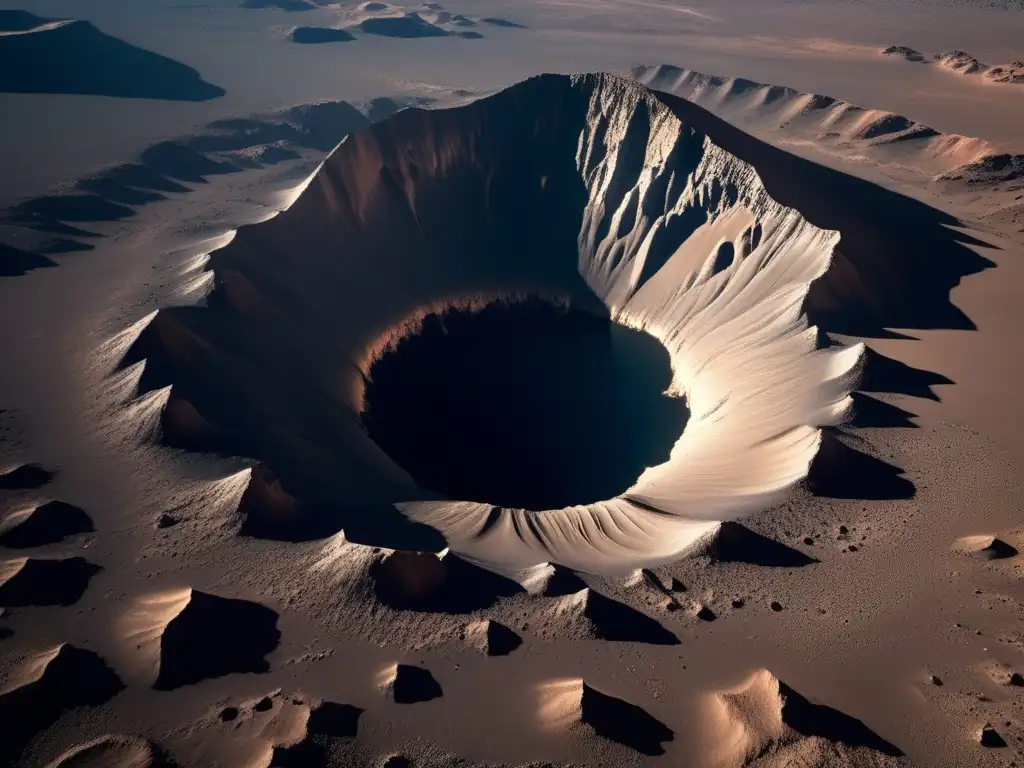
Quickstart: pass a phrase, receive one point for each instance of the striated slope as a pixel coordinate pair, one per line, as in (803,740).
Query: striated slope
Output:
(591,190)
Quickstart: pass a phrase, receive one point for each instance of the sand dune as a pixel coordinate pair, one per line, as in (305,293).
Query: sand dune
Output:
(735,543)
(407,684)
(25,476)
(185,636)
(1004,674)
(45,686)
(986,547)
(763,722)
(501,23)
(410,25)
(567,704)
(46,524)
(591,614)
(44,581)
(319,35)
(424,581)
(48,58)
(485,636)
(307,734)
(15,262)
(491,638)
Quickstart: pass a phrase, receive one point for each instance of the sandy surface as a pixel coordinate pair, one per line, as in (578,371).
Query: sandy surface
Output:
(163,603)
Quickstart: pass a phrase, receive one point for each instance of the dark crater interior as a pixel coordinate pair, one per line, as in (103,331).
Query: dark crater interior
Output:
(524,404)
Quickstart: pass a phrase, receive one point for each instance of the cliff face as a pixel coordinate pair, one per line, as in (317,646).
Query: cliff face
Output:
(589,189)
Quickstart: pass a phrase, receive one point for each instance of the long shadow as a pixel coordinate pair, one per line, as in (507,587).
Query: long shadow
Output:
(612,620)
(624,723)
(818,720)
(319,35)
(735,543)
(563,582)
(40,55)
(407,27)
(74,677)
(15,262)
(884,374)
(215,636)
(869,412)
(48,523)
(25,477)
(327,722)
(175,167)
(413,685)
(840,471)
(897,261)
(43,581)
(421,581)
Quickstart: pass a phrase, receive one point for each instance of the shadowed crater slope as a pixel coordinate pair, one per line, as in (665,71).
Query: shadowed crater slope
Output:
(524,405)
(483,323)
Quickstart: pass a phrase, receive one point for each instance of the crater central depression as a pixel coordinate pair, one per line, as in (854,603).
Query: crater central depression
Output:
(527,405)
